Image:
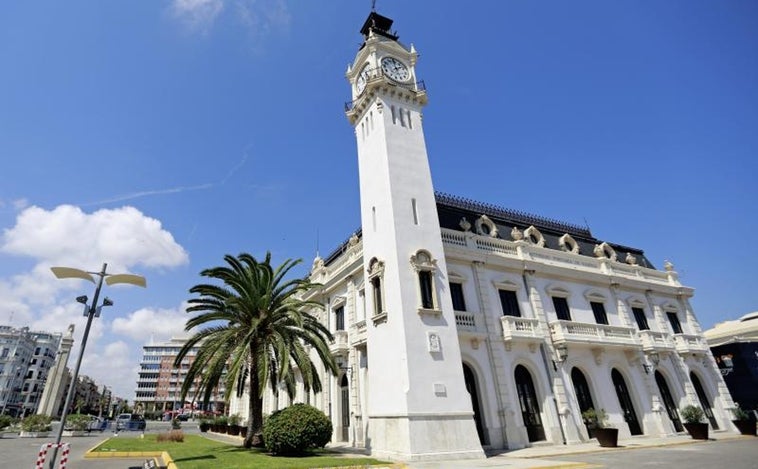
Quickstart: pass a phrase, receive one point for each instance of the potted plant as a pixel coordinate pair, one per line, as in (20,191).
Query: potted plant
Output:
(205,425)
(743,422)
(693,422)
(234,421)
(36,426)
(597,421)
(221,422)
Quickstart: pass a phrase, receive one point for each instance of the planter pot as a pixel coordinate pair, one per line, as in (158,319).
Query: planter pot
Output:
(746,427)
(233,430)
(223,429)
(698,431)
(44,434)
(243,432)
(204,427)
(607,437)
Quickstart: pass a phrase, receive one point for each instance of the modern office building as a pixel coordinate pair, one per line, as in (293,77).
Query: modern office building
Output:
(461,326)
(160,383)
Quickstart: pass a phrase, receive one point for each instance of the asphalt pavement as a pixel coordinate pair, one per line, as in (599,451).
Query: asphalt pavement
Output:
(20,453)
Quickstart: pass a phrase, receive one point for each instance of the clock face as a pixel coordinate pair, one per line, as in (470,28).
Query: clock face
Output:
(360,82)
(395,69)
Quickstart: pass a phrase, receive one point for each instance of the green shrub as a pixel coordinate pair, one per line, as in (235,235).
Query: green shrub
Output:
(77,422)
(296,429)
(595,418)
(36,423)
(740,414)
(692,414)
(234,419)
(7,421)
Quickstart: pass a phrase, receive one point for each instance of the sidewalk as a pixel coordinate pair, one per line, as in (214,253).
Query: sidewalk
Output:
(536,456)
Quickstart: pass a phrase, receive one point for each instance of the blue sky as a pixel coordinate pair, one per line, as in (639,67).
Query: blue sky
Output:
(158,136)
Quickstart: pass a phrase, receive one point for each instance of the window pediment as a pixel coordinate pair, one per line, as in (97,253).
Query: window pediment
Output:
(595,295)
(506,284)
(558,290)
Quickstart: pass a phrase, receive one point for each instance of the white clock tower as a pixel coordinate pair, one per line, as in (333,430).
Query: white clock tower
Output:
(418,404)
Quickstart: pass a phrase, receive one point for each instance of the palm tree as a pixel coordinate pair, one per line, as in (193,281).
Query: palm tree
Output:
(254,330)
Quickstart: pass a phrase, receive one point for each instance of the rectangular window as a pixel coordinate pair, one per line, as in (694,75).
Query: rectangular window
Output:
(561,308)
(675,325)
(339,319)
(509,303)
(639,316)
(598,309)
(376,283)
(425,284)
(456,293)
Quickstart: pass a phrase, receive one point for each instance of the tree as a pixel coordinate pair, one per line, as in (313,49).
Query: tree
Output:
(254,330)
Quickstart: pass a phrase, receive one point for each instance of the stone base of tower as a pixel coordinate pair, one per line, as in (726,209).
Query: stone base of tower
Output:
(424,437)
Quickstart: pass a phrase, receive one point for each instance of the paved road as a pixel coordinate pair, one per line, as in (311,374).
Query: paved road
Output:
(731,454)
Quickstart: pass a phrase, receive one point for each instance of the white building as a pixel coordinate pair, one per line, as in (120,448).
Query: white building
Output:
(461,325)
(25,359)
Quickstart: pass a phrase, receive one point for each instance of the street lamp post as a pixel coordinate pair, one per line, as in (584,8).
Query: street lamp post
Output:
(91,311)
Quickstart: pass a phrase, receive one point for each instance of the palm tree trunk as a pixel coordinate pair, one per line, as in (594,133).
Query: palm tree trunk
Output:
(255,414)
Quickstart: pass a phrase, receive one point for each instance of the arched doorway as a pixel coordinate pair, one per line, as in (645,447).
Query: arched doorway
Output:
(468,377)
(345,407)
(583,396)
(530,408)
(703,397)
(625,400)
(668,401)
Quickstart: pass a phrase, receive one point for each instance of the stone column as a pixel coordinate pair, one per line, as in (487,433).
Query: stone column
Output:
(53,394)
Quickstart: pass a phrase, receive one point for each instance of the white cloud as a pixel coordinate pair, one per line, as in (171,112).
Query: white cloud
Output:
(263,16)
(259,17)
(123,237)
(152,325)
(199,15)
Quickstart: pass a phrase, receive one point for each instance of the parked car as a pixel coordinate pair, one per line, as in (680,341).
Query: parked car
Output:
(130,422)
(97,424)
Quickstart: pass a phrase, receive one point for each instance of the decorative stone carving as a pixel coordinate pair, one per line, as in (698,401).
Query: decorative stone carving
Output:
(318,263)
(630,259)
(568,243)
(516,234)
(375,267)
(422,260)
(598,354)
(603,250)
(534,236)
(485,227)
(434,342)
(353,241)
(668,266)
(464,224)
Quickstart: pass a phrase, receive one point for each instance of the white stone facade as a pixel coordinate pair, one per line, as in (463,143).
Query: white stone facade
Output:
(461,326)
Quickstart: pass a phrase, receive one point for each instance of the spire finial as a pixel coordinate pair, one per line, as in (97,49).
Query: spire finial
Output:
(373,5)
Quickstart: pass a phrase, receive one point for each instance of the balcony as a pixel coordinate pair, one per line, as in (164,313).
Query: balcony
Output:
(653,341)
(517,329)
(690,343)
(340,345)
(570,332)
(358,336)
